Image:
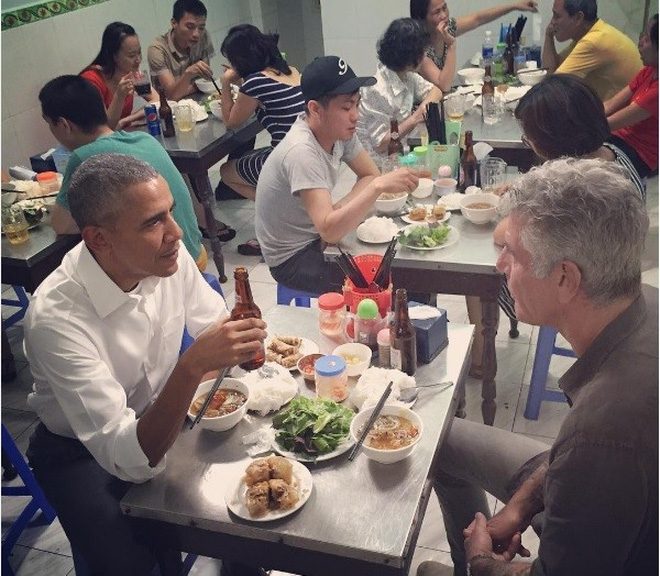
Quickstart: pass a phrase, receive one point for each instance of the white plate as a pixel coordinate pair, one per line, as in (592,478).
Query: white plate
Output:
(343,447)
(405,218)
(306,347)
(451,201)
(235,495)
(452,238)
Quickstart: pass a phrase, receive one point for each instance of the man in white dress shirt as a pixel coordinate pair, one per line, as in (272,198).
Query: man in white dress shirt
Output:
(102,337)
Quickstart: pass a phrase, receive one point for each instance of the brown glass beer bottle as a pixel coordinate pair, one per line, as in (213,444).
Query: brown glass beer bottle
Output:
(394,147)
(166,116)
(403,340)
(246,308)
(468,168)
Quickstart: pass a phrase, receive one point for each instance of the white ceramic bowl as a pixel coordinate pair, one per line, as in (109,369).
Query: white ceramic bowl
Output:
(305,363)
(391,205)
(206,86)
(531,78)
(387,456)
(354,350)
(471,75)
(445,186)
(215,106)
(480,215)
(222,423)
(424,188)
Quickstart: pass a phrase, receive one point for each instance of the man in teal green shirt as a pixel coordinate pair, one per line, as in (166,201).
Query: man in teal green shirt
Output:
(76,116)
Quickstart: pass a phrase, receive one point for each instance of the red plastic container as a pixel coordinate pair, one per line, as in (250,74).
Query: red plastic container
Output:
(368,265)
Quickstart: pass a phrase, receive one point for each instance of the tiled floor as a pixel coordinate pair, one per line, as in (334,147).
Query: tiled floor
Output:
(46,551)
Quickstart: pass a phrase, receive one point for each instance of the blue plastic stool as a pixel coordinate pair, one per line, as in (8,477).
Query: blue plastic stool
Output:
(187,339)
(545,348)
(21,303)
(29,488)
(286,295)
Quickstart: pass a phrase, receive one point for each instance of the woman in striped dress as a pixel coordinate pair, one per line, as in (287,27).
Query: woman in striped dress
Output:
(270,88)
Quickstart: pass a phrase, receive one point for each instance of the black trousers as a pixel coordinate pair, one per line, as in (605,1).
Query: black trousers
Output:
(86,498)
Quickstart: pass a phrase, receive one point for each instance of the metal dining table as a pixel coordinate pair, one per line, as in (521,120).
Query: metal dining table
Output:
(29,263)
(361,518)
(194,152)
(467,268)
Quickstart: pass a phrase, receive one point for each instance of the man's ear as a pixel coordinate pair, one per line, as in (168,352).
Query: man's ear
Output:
(570,281)
(95,238)
(313,107)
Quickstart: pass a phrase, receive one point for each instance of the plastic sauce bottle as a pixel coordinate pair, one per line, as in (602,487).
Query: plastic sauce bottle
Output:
(331,315)
(368,323)
(48,182)
(487,48)
(246,308)
(331,378)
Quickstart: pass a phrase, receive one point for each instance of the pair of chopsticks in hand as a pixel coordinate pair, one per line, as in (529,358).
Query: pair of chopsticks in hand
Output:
(372,419)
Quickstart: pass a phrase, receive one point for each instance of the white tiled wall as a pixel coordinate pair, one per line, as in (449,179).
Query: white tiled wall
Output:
(351,28)
(35,53)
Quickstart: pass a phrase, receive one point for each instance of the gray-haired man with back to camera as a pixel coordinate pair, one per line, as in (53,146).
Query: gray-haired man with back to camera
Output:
(572,257)
(102,336)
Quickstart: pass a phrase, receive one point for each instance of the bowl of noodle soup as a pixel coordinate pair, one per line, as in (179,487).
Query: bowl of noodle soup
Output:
(228,407)
(393,437)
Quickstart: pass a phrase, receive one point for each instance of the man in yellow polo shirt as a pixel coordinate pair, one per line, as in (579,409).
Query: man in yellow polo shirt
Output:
(604,57)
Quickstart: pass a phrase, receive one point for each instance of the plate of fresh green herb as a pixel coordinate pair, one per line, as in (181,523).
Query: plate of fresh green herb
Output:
(425,237)
(313,429)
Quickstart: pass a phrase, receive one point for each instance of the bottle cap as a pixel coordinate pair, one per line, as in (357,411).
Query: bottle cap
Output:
(383,337)
(367,309)
(331,301)
(331,365)
(420,150)
(46,176)
(444,171)
(408,160)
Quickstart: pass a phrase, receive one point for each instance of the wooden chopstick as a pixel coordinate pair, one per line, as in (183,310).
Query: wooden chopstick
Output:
(212,392)
(371,420)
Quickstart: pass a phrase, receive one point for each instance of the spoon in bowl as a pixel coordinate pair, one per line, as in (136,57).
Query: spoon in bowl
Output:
(410,394)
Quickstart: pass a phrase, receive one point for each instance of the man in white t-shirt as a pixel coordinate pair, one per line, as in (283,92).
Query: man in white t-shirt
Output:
(296,216)
(102,336)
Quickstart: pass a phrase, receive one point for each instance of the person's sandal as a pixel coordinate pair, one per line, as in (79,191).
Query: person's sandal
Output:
(250,248)
(225,233)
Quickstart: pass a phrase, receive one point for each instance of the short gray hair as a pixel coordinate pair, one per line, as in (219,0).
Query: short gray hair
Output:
(585,211)
(97,189)
(588,7)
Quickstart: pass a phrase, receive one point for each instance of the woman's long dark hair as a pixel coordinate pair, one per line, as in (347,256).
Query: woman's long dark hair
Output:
(249,50)
(419,9)
(113,36)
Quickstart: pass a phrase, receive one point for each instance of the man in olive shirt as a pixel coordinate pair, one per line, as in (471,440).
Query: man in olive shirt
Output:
(183,53)
(572,257)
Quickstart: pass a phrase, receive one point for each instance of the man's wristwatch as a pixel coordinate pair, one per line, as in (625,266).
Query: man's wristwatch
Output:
(474,559)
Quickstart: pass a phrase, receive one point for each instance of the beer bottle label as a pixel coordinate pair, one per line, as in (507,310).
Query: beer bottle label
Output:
(237,299)
(395,358)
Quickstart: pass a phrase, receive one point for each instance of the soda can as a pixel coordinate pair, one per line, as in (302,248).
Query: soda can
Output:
(153,121)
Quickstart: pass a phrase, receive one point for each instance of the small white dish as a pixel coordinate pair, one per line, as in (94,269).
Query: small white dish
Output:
(424,188)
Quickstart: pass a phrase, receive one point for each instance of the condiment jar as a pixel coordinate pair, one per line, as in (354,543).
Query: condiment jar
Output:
(383,339)
(331,378)
(48,182)
(332,311)
(421,162)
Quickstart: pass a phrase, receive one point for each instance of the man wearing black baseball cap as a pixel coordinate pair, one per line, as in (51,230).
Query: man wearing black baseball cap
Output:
(296,216)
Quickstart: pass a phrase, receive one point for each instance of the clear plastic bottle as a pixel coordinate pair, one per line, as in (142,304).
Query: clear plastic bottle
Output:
(487,48)
(332,311)
(331,378)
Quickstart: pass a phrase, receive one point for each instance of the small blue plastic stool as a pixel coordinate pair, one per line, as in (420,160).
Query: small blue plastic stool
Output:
(187,339)
(21,303)
(545,348)
(286,295)
(29,488)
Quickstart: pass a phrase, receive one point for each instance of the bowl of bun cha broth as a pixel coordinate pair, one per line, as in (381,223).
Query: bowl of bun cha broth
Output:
(206,86)
(480,208)
(394,435)
(391,202)
(306,366)
(227,408)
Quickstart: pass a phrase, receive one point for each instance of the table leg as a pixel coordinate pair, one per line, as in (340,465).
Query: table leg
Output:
(489,361)
(204,191)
